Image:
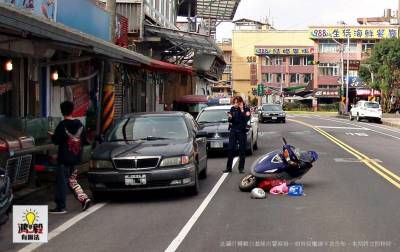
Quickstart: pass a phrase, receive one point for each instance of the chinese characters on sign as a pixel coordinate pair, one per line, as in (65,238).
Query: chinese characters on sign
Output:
(284,51)
(30,223)
(361,32)
(327,93)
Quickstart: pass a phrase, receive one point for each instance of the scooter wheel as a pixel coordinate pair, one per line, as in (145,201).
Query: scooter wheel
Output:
(247,183)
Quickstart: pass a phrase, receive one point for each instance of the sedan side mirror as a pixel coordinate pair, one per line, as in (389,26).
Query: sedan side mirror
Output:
(201,134)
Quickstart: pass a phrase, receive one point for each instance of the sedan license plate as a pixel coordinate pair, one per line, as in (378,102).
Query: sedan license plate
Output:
(135,179)
(217,144)
(274,118)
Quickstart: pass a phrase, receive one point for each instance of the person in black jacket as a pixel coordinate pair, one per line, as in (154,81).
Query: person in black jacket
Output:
(69,136)
(238,117)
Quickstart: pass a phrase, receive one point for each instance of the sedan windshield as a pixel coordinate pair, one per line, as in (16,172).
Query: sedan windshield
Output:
(371,105)
(149,128)
(272,108)
(213,116)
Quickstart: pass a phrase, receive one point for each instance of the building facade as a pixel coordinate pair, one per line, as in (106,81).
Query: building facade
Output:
(334,48)
(223,88)
(313,60)
(262,55)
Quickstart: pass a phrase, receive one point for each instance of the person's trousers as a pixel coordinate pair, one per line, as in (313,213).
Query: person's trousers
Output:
(234,138)
(66,178)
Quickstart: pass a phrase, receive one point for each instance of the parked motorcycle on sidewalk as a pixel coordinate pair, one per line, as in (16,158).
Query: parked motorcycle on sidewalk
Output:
(288,164)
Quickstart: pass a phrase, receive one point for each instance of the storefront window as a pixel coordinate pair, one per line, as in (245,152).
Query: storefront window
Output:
(294,78)
(328,48)
(278,61)
(267,77)
(280,78)
(307,60)
(367,46)
(353,48)
(308,77)
(295,61)
(328,69)
(266,61)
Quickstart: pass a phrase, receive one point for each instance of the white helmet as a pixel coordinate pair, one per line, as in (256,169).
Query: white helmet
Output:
(258,193)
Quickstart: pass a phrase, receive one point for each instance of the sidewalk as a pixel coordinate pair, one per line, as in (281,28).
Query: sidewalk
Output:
(46,186)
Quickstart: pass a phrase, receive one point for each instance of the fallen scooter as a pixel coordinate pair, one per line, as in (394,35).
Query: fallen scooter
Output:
(287,164)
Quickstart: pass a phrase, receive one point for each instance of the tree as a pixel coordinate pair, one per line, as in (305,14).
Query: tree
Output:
(385,64)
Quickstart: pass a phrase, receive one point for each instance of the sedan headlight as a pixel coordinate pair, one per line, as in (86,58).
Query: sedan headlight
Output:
(282,114)
(100,164)
(173,161)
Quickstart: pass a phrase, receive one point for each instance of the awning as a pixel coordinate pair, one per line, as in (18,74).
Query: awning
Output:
(168,67)
(185,39)
(217,9)
(295,89)
(26,25)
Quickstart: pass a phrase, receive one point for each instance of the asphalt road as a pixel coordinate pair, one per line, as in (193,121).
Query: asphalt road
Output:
(352,202)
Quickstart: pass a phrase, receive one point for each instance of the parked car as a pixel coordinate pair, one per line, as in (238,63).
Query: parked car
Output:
(366,110)
(271,112)
(214,120)
(6,196)
(150,151)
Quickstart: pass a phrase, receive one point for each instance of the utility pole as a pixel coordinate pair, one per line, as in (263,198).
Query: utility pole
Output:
(341,70)
(282,75)
(112,9)
(347,74)
(108,94)
(398,13)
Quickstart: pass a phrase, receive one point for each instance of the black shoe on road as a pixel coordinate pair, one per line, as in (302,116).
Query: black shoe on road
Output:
(86,204)
(241,171)
(227,171)
(57,211)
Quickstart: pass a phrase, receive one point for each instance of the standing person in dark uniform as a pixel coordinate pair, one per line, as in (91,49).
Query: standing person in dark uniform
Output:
(238,117)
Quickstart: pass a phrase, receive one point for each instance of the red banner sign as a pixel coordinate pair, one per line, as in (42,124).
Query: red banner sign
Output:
(121,31)
(81,99)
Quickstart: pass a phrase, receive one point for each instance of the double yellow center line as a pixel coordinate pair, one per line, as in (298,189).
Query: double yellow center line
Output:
(385,173)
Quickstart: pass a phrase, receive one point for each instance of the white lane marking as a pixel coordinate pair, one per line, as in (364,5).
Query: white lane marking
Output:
(69,223)
(353,160)
(357,134)
(347,128)
(341,121)
(372,125)
(185,230)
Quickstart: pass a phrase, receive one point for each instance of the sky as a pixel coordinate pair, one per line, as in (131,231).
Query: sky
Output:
(299,14)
